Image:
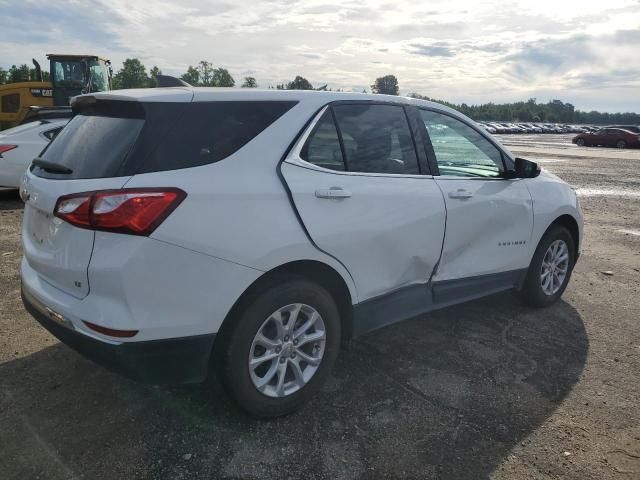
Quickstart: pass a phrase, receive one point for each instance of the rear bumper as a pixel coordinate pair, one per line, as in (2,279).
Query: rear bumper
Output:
(175,360)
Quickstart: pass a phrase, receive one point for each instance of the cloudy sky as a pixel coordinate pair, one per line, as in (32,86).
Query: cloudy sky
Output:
(586,52)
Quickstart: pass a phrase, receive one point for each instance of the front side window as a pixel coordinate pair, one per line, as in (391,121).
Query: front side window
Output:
(376,139)
(98,76)
(460,150)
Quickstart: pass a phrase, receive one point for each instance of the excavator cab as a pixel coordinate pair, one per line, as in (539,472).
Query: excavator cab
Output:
(70,75)
(73,75)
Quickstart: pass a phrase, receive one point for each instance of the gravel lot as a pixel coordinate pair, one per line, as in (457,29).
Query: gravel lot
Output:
(485,389)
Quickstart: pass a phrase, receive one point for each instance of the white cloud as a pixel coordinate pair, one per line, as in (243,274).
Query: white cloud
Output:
(462,50)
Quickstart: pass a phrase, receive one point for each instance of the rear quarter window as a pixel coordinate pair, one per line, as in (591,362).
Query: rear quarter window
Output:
(211,131)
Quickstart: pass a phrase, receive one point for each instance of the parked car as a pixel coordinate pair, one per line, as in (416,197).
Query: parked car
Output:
(608,137)
(630,128)
(263,228)
(19,145)
(487,127)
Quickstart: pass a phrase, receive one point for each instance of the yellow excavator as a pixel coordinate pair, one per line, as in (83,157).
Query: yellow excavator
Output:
(70,75)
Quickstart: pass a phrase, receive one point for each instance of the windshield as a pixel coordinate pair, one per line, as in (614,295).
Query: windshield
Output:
(80,74)
(69,73)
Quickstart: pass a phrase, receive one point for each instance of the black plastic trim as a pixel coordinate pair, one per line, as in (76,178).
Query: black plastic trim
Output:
(171,361)
(417,299)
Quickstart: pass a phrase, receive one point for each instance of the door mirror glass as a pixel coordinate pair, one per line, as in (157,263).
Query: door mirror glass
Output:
(526,168)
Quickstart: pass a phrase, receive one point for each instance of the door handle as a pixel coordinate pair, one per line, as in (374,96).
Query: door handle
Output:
(460,193)
(333,192)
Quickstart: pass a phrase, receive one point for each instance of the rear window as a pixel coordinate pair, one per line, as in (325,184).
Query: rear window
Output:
(152,137)
(96,141)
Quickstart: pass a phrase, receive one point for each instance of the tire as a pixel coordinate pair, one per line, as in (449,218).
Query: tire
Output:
(533,291)
(621,144)
(580,142)
(240,344)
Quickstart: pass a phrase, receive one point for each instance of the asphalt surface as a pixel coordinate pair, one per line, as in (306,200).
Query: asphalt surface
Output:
(488,389)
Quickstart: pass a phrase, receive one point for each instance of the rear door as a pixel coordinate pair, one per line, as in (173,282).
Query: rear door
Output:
(93,146)
(489,217)
(357,185)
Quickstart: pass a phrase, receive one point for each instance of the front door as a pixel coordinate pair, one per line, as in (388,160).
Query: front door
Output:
(355,181)
(489,218)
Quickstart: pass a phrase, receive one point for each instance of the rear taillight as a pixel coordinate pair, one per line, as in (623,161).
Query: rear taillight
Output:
(6,148)
(136,211)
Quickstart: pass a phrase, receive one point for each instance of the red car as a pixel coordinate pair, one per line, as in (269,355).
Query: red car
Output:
(608,137)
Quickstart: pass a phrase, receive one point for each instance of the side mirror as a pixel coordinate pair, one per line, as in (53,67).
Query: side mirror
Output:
(524,169)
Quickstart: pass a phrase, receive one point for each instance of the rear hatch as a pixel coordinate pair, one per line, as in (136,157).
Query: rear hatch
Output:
(93,146)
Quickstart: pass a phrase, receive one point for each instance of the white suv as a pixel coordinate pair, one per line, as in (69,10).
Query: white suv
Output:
(169,230)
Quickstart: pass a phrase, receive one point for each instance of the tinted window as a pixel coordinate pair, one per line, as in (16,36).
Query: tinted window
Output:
(211,131)
(95,142)
(121,138)
(376,139)
(10,103)
(323,146)
(460,150)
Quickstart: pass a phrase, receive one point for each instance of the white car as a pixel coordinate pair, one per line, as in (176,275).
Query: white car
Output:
(169,230)
(21,144)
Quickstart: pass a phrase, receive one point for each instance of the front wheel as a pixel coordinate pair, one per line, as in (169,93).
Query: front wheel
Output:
(281,348)
(621,144)
(550,268)
(580,142)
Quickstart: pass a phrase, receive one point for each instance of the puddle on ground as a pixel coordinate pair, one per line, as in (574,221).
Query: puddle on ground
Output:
(607,192)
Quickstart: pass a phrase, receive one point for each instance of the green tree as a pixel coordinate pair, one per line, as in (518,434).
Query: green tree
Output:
(387,85)
(19,74)
(133,74)
(249,82)
(299,83)
(205,69)
(192,77)
(222,78)
(153,76)
(4,75)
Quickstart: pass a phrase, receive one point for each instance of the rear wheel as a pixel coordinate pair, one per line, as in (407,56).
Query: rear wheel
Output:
(281,348)
(550,268)
(621,144)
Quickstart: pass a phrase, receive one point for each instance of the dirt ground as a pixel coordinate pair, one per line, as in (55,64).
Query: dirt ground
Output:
(488,389)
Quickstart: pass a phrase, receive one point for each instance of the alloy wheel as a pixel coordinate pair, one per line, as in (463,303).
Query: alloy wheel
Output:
(287,350)
(555,266)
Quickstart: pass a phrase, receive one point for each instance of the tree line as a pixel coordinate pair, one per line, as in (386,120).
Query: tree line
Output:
(21,73)
(554,111)
(133,74)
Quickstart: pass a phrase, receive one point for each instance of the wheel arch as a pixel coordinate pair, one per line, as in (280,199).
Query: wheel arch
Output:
(571,224)
(313,270)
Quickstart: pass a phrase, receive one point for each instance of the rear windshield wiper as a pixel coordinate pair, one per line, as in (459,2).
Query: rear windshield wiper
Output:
(51,167)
